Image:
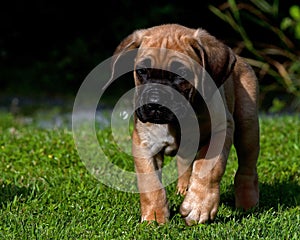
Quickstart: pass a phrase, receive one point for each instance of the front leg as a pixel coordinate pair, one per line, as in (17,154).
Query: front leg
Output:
(202,199)
(203,196)
(153,199)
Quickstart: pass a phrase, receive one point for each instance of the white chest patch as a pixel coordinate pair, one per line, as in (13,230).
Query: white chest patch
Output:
(156,137)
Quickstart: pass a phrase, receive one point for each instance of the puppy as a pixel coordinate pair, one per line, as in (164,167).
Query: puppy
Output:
(166,56)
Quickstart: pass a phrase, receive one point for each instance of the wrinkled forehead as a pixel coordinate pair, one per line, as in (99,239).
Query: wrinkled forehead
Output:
(162,49)
(161,57)
(164,41)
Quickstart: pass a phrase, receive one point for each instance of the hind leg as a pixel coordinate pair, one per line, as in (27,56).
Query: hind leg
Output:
(246,178)
(246,139)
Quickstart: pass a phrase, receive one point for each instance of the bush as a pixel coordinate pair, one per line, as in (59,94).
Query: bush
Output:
(270,43)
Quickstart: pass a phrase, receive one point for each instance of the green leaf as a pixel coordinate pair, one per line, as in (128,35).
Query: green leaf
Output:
(286,23)
(277,105)
(295,67)
(263,6)
(297,31)
(295,12)
(234,9)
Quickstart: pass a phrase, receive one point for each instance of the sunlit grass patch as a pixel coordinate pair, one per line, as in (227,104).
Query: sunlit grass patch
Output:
(47,193)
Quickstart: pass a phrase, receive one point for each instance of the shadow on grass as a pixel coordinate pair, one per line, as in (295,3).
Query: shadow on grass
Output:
(10,192)
(286,194)
(277,196)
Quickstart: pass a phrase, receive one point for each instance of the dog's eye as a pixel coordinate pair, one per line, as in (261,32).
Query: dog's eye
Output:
(181,70)
(185,73)
(142,71)
(146,63)
(142,68)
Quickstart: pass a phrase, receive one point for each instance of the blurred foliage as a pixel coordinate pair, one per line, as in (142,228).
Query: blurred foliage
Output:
(276,57)
(292,22)
(53,57)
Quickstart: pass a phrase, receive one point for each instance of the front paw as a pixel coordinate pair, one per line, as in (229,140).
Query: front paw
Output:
(159,215)
(154,207)
(200,205)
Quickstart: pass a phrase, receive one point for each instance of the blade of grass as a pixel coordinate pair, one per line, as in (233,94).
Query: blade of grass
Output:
(265,6)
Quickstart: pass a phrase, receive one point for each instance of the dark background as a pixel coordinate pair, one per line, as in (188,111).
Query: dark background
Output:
(48,47)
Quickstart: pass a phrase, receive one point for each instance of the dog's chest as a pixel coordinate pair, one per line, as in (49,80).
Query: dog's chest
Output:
(157,138)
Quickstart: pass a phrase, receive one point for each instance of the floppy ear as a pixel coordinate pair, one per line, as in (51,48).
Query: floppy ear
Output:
(217,58)
(130,42)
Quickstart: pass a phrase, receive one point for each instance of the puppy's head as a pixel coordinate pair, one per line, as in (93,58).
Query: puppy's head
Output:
(166,55)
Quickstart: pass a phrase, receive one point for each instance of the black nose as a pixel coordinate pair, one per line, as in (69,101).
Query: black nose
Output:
(156,109)
(156,96)
(154,102)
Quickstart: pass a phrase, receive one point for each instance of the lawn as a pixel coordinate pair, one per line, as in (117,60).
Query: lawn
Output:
(47,193)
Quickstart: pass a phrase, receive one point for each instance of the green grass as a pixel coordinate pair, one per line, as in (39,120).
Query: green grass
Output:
(47,193)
